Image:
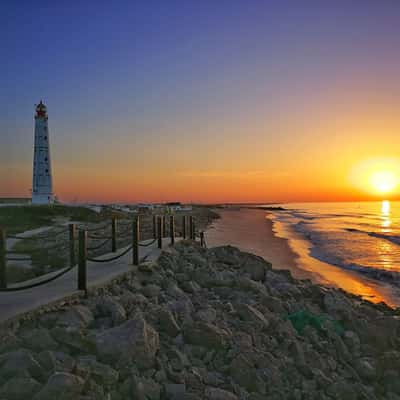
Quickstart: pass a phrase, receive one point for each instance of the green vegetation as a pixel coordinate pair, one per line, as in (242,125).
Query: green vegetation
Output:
(17,219)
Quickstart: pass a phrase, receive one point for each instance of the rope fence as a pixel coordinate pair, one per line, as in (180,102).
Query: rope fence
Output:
(160,225)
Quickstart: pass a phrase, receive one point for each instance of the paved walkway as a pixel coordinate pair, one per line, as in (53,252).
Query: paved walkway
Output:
(13,304)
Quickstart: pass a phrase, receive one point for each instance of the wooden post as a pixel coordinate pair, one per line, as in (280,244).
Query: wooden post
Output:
(202,239)
(113,234)
(72,260)
(164,230)
(135,240)
(3,261)
(172,229)
(160,232)
(154,227)
(191,223)
(82,284)
(184,227)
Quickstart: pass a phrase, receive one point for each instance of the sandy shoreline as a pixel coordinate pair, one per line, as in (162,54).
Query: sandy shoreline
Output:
(261,240)
(252,231)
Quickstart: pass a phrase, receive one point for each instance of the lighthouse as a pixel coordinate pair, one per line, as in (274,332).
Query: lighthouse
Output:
(42,189)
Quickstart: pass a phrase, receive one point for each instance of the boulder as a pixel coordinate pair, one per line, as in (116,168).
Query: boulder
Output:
(61,386)
(133,340)
(38,340)
(19,389)
(251,314)
(168,323)
(212,393)
(19,363)
(101,373)
(107,306)
(78,317)
(175,391)
(207,314)
(206,335)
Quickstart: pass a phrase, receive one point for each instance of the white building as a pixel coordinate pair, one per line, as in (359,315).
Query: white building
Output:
(42,189)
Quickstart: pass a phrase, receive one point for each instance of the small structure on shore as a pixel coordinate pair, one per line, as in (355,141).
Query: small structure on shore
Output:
(42,189)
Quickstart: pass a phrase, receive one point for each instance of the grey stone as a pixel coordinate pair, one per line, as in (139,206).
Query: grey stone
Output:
(168,323)
(19,363)
(212,393)
(19,388)
(133,340)
(38,340)
(174,391)
(61,386)
(78,316)
(206,335)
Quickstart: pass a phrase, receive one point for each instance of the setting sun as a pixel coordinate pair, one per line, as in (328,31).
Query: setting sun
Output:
(383,181)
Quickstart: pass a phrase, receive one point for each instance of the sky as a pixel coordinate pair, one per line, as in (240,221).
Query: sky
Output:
(203,101)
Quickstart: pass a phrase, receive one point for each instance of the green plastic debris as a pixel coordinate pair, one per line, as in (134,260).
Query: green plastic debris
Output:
(301,319)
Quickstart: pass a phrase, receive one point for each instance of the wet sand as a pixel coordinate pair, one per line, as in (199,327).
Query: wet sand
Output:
(252,231)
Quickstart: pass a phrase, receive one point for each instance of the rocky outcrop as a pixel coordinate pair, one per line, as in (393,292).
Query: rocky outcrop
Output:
(214,324)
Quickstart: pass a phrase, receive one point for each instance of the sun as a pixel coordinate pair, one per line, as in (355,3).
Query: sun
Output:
(383,181)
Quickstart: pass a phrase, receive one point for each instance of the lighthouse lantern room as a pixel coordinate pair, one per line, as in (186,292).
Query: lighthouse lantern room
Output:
(42,189)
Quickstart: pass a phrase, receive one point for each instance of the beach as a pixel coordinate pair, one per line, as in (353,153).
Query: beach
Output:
(253,230)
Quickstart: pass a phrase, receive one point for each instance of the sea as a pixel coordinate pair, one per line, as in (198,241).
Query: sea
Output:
(363,238)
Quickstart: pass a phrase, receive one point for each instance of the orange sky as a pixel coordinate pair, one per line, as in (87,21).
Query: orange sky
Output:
(261,105)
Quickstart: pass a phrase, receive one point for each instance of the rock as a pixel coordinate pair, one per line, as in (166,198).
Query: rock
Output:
(256,266)
(19,388)
(74,339)
(206,335)
(133,340)
(38,340)
(212,393)
(76,317)
(109,307)
(352,341)
(19,363)
(174,391)
(249,313)
(145,389)
(101,373)
(337,305)
(208,315)
(61,386)
(366,369)
(151,290)
(190,287)
(168,323)
(243,372)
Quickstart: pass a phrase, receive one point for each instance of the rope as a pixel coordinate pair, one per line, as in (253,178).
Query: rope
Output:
(112,258)
(100,245)
(94,229)
(124,223)
(18,259)
(147,244)
(99,237)
(32,285)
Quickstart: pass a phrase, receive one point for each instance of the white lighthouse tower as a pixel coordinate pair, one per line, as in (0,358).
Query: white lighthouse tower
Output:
(42,189)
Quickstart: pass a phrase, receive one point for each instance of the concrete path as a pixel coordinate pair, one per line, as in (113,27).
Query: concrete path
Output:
(13,304)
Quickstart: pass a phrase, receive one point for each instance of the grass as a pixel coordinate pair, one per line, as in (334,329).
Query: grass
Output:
(16,219)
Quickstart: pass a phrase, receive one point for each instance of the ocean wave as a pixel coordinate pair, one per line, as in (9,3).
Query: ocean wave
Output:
(391,238)
(383,275)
